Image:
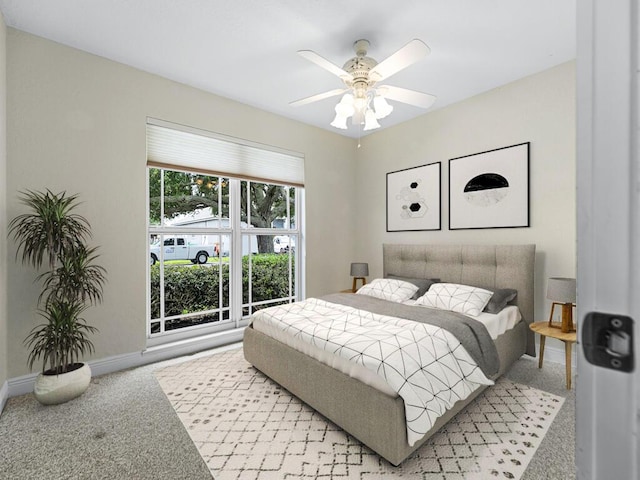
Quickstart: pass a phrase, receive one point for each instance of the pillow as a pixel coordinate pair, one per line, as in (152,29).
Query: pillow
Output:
(423,284)
(500,299)
(457,298)
(389,289)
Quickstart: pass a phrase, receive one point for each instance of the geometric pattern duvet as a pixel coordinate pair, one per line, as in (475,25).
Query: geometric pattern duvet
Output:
(425,365)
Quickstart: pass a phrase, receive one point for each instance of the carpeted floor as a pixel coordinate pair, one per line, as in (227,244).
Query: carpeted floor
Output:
(247,427)
(555,458)
(125,428)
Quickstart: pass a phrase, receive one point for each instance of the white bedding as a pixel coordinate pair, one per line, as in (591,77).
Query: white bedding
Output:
(500,323)
(496,324)
(368,350)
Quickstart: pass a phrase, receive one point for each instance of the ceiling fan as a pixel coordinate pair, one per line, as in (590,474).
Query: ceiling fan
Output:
(364,100)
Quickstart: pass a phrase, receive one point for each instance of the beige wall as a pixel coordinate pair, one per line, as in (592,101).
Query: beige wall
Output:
(77,123)
(539,109)
(3,204)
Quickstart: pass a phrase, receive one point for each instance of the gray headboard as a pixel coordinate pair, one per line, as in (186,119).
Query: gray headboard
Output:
(487,266)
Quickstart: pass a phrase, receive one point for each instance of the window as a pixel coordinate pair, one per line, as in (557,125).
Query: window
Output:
(220,248)
(268,224)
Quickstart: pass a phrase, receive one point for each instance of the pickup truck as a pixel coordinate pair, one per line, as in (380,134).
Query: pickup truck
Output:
(281,244)
(178,248)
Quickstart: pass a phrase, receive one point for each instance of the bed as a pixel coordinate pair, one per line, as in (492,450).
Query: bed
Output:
(377,418)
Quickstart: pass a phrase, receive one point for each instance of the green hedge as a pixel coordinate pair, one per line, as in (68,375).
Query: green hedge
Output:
(191,289)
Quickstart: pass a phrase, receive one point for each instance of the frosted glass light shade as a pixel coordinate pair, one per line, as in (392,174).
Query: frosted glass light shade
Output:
(381,106)
(370,122)
(339,122)
(347,99)
(344,110)
(360,103)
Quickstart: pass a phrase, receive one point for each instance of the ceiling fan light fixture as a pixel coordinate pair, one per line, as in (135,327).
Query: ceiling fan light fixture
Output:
(381,106)
(366,100)
(370,121)
(345,107)
(360,103)
(347,99)
(340,121)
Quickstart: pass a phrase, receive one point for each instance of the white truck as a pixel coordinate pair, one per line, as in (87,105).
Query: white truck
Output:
(178,248)
(282,244)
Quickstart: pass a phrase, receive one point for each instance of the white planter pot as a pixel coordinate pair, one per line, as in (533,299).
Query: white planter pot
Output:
(55,389)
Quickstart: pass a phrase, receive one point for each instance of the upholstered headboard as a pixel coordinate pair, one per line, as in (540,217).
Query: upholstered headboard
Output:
(487,266)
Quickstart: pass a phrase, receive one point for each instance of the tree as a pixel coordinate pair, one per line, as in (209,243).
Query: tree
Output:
(267,202)
(187,192)
(184,193)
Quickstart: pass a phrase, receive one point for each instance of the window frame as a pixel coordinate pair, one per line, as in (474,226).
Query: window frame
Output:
(236,232)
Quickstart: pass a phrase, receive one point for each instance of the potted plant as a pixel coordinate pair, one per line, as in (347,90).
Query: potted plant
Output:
(53,233)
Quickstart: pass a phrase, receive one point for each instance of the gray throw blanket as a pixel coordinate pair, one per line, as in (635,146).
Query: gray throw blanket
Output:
(472,334)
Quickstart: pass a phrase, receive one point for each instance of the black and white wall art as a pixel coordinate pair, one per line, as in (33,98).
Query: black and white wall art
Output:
(490,189)
(413,199)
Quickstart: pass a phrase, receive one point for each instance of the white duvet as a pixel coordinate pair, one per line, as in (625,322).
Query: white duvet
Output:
(425,365)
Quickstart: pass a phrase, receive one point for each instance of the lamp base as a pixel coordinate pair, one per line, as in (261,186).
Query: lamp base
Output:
(364,282)
(567,318)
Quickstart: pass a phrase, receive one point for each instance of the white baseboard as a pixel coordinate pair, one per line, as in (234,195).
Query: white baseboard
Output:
(24,384)
(21,385)
(190,346)
(4,395)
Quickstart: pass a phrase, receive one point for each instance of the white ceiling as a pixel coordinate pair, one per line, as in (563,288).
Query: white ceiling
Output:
(246,49)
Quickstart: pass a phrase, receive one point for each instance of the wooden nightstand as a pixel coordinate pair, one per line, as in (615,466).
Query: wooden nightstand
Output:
(544,330)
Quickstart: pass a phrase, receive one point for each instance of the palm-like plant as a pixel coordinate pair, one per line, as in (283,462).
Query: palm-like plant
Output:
(74,277)
(62,339)
(51,231)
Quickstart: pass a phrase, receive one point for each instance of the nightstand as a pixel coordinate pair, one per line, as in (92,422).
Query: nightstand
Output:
(544,330)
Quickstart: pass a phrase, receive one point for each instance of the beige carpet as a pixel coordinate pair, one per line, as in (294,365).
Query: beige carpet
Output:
(246,426)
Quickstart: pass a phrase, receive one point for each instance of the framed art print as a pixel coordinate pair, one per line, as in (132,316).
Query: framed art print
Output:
(413,199)
(490,189)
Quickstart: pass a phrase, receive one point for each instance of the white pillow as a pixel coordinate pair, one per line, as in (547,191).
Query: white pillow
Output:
(457,298)
(389,289)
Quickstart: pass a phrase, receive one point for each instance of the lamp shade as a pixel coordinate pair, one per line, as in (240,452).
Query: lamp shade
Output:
(339,122)
(359,269)
(561,289)
(381,106)
(370,121)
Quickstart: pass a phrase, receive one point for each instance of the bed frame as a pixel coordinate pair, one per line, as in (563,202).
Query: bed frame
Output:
(375,418)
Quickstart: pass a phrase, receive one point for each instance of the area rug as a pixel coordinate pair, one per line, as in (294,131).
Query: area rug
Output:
(246,426)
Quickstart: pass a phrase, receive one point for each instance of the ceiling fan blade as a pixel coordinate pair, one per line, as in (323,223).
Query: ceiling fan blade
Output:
(419,99)
(324,63)
(407,55)
(319,96)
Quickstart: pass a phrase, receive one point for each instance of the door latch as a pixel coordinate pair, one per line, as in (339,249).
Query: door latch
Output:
(607,341)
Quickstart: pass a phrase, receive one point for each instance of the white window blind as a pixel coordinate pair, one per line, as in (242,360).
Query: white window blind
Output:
(185,148)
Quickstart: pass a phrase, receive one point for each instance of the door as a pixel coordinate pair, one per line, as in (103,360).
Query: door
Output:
(169,248)
(182,250)
(608,248)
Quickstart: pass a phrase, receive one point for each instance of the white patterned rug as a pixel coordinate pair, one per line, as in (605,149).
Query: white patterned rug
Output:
(246,426)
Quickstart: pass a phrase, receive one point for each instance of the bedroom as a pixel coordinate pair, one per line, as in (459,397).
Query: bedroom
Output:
(117,99)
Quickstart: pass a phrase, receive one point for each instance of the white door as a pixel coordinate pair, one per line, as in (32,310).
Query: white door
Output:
(182,249)
(607,417)
(169,248)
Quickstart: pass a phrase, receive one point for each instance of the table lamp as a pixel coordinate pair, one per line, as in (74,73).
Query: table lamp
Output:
(359,271)
(563,292)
